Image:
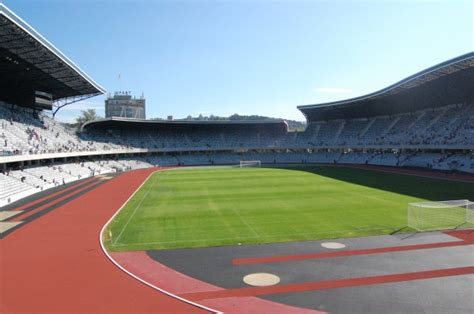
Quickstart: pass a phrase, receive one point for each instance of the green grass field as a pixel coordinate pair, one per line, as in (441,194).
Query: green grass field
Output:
(203,207)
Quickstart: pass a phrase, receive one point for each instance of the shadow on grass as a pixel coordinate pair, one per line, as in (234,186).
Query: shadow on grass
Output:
(419,187)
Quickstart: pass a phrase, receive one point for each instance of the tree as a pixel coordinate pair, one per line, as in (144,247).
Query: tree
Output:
(87,115)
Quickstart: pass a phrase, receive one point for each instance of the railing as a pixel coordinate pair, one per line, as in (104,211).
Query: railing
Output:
(57,155)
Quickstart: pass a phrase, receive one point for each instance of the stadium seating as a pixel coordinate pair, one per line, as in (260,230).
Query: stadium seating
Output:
(26,132)
(20,183)
(13,188)
(387,140)
(449,125)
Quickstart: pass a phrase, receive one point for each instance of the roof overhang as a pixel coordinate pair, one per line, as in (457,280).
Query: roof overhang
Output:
(29,63)
(126,123)
(449,82)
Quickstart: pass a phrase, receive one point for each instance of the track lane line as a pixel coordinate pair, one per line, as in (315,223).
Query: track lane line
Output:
(25,215)
(50,196)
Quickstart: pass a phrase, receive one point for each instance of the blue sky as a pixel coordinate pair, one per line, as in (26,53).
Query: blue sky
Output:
(248,57)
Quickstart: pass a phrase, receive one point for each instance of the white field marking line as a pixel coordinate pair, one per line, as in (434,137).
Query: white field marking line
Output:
(285,221)
(260,224)
(245,223)
(134,211)
(237,237)
(257,235)
(101,234)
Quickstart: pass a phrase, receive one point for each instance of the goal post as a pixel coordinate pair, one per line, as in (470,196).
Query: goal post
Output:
(250,163)
(470,214)
(426,216)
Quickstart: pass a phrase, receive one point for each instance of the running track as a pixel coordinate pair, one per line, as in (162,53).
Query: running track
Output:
(55,264)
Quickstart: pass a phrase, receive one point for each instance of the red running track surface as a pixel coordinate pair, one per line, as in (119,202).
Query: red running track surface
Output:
(55,263)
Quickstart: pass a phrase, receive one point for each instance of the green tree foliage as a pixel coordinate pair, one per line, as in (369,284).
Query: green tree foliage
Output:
(86,116)
(292,124)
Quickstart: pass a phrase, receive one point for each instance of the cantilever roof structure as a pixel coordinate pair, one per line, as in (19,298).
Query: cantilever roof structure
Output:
(184,125)
(29,63)
(446,83)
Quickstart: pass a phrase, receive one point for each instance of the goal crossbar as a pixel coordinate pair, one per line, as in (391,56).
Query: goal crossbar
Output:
(250,163)
(425,216)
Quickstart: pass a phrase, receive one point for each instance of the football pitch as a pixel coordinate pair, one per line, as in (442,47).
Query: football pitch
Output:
(215,206)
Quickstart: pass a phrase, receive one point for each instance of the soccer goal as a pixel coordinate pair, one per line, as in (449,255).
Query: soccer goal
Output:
(250,163)
(427,216)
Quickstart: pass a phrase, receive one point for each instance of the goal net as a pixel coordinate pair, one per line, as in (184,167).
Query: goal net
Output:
(250,163)
(426,216)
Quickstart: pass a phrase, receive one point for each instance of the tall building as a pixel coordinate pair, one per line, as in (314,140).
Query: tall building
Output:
(123,105)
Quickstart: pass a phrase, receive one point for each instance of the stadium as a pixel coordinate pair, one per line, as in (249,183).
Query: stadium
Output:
(368,210)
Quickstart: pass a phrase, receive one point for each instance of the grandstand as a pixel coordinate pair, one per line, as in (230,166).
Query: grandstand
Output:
(422,125)
(425,121)
(439,137)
